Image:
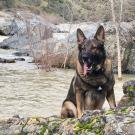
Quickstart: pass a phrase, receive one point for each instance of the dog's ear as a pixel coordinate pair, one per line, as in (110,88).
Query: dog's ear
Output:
(100,34)
(80,37)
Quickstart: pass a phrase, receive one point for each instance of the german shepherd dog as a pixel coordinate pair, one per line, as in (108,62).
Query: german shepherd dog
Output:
(93,80)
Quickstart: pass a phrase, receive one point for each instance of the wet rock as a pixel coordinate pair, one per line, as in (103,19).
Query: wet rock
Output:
(129,87)
(129,94)
(19,59)
(21,54)
(3,60)
(16,116)
(5,47)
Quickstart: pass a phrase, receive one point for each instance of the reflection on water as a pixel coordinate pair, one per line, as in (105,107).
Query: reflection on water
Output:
(26,91)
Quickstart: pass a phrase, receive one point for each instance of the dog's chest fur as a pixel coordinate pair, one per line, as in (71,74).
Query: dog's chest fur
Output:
(89,82)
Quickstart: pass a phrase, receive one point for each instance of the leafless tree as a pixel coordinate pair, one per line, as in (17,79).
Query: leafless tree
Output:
(117,28)
(67,44)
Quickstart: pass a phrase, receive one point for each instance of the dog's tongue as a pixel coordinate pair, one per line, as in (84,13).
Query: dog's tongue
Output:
(85,69)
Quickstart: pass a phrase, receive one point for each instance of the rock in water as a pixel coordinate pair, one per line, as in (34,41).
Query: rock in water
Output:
(3,60)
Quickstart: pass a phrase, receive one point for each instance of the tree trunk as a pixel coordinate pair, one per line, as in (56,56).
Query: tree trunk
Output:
(116,25)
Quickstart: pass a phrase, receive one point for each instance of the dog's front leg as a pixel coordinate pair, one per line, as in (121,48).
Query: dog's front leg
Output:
(79,102)
(111,98)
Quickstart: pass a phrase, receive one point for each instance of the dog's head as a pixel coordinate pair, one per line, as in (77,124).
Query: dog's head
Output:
(91,51)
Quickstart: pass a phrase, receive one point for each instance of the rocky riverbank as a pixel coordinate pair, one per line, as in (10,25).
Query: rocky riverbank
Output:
(29,37)
(98,122)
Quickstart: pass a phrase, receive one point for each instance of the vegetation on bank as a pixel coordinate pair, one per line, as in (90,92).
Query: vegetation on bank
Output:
(80,10)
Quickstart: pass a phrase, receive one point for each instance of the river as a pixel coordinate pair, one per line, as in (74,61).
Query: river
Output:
(28,91)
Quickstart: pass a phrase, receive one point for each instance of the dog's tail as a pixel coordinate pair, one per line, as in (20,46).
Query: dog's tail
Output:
(68,110)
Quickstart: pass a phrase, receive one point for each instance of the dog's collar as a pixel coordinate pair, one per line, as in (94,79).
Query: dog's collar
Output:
(90,83)
(99,88)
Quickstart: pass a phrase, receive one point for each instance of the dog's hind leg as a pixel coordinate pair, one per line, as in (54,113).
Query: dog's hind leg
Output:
(68,110)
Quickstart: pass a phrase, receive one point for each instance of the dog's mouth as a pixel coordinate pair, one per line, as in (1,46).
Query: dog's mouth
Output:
(92,69)
(86,69)
(92,64)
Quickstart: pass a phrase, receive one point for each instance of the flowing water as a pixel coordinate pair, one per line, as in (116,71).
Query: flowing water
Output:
(27,91)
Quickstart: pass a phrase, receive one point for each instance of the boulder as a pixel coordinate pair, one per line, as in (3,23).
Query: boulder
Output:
(129,88)
(16,26)
(98,122)
(129,94)
(7,24)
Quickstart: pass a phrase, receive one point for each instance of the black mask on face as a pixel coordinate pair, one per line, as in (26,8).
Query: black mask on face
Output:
(92,60)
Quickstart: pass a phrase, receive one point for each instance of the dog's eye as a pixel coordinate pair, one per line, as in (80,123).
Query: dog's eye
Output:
(100,46)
